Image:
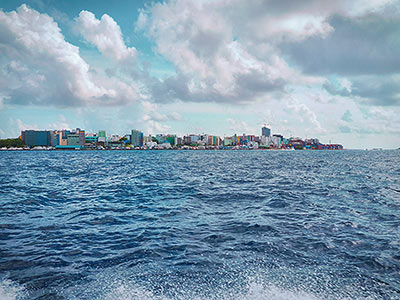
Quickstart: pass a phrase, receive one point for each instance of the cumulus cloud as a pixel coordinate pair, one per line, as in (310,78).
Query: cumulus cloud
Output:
(155,120)
(241,51)
(214,58)
(105,34)
(306,115)
(61,123)
(240,126)
(44,69)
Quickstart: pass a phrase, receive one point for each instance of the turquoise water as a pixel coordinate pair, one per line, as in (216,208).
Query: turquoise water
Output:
(200,225)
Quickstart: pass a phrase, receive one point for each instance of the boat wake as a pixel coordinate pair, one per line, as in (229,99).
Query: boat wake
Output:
(11,291)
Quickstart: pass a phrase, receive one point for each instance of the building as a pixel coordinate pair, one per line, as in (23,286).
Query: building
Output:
(91,139)
(33,138)
(136,138)
(73,139)
(76,138)
(194,138)
(265,140)
(102,138)
(114,138)
(178,141)
(265,130)
(60,137)
(227,141)
(170,139)
(81,134)
(277,140)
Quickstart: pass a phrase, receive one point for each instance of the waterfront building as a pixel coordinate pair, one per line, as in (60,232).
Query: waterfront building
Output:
(276,140)
(102,138)
(37,137)
(136,138)
(265,140)
(194,138)
(76,138)
(186,140)
(81,134)
(210,140)
(227,141)
(60,137)
(73,139)
(114,138)
(91,139)
(147,139)
(161,138)
(170,139)
(178,141)
(265,130)
(312,141)
(296,142)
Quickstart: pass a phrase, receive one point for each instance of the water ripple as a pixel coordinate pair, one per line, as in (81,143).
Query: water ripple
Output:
(200,225)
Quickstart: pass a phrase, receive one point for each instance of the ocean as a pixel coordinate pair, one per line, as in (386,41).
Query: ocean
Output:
(180,225)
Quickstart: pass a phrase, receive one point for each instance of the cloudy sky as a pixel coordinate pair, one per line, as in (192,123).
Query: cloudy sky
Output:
(311,68)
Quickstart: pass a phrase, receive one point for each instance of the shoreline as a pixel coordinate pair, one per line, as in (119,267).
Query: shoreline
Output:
(177,149)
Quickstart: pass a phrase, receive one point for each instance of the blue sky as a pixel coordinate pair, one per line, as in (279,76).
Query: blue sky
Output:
(309,69)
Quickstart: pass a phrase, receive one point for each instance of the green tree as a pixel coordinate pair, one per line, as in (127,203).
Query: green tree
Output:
(11,143)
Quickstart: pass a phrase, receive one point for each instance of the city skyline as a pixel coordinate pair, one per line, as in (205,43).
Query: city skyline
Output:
(78,139)
(308,69)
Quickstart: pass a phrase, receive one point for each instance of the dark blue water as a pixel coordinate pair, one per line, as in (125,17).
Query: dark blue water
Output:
(200,225)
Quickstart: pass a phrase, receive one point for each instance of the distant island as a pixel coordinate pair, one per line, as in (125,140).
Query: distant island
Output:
(78,139)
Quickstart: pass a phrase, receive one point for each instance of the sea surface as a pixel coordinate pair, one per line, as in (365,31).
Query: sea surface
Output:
(201,225)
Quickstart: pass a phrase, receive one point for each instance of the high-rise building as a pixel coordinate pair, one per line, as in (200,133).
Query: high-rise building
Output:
(136,138)
(37,137)
(265,130)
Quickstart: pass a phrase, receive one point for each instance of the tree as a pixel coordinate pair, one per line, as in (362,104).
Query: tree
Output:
(11,143)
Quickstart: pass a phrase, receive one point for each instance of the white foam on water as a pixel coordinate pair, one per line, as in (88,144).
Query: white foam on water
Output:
(254,291)
(9,290)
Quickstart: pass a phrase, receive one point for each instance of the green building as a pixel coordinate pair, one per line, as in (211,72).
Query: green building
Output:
(101,136)
(170,139)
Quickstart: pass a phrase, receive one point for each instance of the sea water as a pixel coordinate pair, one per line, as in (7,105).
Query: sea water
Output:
(166,225)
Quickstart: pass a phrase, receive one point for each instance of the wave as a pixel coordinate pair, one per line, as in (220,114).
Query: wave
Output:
(253,292)
(10,290)
(122,289)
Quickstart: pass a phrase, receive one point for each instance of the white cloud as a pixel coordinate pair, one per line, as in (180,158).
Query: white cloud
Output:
(61,123)
(22,126)
(44,69)
(105,34)
(212,65)
(241,127)
(155,120)
(306,115)
(241,51)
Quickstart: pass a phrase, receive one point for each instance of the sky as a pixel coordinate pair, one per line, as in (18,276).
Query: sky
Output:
(311,68)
